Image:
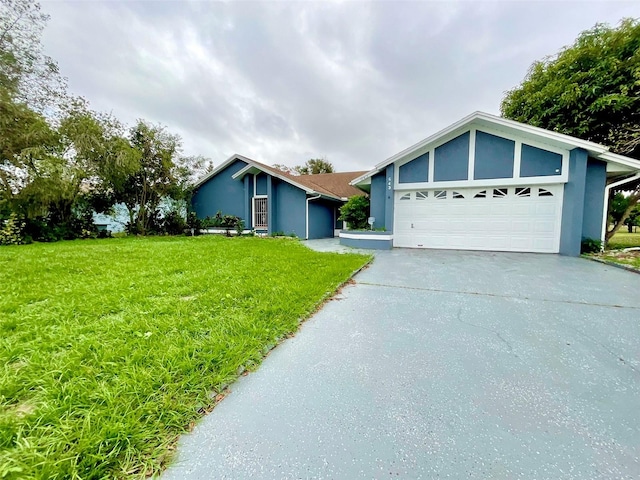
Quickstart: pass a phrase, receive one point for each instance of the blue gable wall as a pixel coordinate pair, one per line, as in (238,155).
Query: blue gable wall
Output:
(452,160)
(417,170)
(537,162)
(290,209)
(596,181)
(321,218)
(573,203)
(377,199)
(261,183)
(388,199)
(221,193)
(493,157)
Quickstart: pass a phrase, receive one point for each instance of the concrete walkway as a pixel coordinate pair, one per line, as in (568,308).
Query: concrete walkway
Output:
(333,245)
(443,364)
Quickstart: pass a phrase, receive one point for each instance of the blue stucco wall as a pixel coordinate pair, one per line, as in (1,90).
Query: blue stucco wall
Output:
(377,198)
(367,244)
(452,160)
(289,207)
(494,157)
(221,193)
(321,220)
(388,199)
(573,203)
(417,170)
(248,199)
(261,183)
(272,211)
(536,162)
(595,183)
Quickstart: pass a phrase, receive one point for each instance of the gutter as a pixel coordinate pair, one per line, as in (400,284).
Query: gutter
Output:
(607,192)
(307,214)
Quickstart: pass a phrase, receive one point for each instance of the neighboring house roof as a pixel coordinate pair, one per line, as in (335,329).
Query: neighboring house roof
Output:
(332,185)
(624,165)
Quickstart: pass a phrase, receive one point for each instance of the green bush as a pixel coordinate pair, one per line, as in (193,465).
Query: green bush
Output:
(13,231)
(590,245)
(194,223)
(355,212)
(173,223)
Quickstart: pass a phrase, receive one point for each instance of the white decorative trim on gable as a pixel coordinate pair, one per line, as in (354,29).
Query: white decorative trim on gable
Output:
(502,127)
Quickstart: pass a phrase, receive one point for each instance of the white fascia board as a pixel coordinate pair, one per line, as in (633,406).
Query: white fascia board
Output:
(220,167)
(480,118)
(362,178)
(250,165)
(567,141)
(620,160)
(242,172)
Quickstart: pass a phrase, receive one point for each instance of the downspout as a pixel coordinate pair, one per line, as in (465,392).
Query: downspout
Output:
(607,191)
(307,213)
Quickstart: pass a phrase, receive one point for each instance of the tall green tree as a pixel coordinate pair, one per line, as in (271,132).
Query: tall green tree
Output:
(590,90)
(310,167)
(26,73)
(314,166)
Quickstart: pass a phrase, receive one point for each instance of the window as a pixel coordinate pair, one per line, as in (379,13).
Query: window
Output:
(544,193)
(440,194)
(422,195)
(500,192)
(260,214)
(523,192)
(456,195)
(406,196)
(482,194)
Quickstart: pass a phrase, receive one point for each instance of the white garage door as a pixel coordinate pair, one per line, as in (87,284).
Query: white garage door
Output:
(512,219)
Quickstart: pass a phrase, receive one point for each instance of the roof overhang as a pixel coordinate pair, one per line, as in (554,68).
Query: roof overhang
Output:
(254,167)
(617,164)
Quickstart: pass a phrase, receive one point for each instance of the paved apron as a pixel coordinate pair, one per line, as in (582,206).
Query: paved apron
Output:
(443,364)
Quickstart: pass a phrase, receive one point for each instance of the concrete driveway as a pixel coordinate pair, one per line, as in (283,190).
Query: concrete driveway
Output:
(443,364)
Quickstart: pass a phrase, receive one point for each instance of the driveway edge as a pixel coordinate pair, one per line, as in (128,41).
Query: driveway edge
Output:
(629,268)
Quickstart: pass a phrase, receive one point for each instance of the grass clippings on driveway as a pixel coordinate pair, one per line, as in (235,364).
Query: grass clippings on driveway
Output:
(109,349)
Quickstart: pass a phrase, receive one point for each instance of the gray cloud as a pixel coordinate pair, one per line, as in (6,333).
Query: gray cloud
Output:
(284,82)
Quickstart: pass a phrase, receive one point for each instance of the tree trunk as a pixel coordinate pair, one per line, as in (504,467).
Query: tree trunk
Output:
(633,201)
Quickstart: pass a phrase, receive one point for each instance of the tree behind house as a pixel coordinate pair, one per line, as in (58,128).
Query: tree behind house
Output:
(590,90)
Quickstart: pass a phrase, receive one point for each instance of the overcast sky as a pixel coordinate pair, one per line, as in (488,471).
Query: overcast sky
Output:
(282,82)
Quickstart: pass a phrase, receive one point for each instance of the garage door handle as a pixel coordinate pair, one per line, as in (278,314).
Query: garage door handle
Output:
(412,225)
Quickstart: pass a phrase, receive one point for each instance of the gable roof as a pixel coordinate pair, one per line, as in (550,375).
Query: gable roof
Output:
(335,183)
(542,135)
(331,185)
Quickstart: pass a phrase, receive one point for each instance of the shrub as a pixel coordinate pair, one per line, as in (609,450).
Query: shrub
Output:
(194,223)
(590,245)
(173,223)
(13,231)
(355,212)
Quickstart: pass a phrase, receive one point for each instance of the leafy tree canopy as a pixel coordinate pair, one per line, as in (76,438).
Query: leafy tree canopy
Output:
(590,90)
(311,167)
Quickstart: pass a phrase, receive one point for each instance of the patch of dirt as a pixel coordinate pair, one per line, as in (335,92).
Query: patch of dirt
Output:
(627,254)
(23,409)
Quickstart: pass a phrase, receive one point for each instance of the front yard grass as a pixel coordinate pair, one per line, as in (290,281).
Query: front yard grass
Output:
(624,240)
(109,349)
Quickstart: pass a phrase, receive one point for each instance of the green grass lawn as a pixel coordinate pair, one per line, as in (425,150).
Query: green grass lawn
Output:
(624,239)
(633,260)
(109,349)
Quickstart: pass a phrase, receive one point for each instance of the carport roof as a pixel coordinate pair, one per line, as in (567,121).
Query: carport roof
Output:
(623,165)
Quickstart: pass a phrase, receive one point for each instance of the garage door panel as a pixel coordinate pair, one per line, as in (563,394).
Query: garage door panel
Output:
(508,222)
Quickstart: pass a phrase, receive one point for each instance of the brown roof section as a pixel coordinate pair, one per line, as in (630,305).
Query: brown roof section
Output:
(336,184)
(332,184)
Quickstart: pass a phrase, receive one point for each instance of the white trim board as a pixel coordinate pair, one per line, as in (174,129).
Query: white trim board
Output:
(366,237)
(506,128)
